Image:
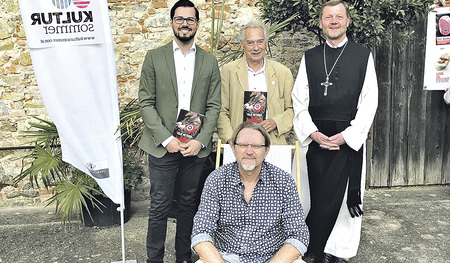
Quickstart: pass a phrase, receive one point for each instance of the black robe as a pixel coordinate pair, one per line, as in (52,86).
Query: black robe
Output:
(329,171)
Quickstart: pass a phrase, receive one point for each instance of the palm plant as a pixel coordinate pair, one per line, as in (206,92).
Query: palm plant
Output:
(45,162)
(70,196)
(131,123)
(45,159)
(73,189)
(216,30)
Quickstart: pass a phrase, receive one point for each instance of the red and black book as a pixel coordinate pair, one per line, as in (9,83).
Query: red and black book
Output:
(255,106)
(187,126)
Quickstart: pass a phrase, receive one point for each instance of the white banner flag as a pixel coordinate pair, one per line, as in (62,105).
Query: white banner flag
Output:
(73,58)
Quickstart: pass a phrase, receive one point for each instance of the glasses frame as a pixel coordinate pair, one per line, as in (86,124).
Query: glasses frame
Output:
(244,146)
(180,20)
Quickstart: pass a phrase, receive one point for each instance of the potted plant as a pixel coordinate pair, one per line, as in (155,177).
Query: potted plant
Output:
(96,209)
(73,190)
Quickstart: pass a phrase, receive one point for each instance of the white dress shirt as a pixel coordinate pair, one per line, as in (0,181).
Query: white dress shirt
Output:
(257,80)
(184,68)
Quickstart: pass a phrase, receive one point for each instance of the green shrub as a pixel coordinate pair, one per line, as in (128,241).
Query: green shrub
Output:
(371,20)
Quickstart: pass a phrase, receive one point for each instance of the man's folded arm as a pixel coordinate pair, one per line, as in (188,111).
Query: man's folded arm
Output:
(206,249)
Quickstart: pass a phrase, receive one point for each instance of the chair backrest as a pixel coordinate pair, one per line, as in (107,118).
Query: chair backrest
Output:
(279,155)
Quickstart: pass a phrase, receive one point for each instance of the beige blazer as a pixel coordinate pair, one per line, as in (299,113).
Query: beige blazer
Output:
(279,88)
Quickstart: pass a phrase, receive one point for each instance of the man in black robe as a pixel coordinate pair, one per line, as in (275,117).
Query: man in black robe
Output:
(335,99)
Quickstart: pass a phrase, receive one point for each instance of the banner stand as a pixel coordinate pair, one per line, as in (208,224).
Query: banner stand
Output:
(72,51)
(121,209)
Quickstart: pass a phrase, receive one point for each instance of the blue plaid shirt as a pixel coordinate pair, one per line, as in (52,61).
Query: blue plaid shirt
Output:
(256,230)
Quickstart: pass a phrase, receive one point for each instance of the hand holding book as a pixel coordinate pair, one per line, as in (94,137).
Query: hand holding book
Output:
(191,148)
(255,106)
(187,126)
(269,125)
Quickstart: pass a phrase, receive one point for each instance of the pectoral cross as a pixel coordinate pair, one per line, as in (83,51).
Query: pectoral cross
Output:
(326,84)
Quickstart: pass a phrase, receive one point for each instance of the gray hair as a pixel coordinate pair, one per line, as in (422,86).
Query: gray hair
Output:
(255,24)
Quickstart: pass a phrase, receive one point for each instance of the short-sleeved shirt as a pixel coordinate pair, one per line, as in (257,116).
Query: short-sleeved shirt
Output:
(255,230)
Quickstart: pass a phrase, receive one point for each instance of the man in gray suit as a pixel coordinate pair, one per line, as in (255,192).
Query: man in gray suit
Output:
(177,76)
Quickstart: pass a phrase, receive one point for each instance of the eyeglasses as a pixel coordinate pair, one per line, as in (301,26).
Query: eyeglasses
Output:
(259,42)
(253,146)
(180,20)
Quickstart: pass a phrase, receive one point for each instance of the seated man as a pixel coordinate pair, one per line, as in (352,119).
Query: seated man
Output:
(250,207)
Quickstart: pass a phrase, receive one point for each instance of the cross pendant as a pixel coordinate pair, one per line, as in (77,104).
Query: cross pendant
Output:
(326,84)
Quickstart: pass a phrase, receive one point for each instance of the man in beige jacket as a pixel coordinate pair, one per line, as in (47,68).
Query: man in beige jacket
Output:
(254,72)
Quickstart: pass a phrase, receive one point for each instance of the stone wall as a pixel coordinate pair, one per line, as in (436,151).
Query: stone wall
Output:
(137,26)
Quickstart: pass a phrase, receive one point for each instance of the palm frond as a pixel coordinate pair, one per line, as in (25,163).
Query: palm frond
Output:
(46,163)
(70,198)
(44,133)
(231,56)
(131,124)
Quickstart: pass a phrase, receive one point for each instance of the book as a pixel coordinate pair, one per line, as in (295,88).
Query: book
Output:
(255,106)
(187,126)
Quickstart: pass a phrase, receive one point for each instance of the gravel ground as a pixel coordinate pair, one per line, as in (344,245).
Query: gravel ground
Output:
(399,225)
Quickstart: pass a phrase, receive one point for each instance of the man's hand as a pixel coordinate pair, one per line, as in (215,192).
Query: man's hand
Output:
(328,143)
(287,253)
(269,125)
(337,139)
(208,253)
(174,146)
(191,148)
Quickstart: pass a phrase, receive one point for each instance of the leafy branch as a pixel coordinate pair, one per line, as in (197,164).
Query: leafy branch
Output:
(371,21)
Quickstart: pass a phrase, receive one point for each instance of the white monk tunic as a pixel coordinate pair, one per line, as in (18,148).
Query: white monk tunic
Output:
(343,241)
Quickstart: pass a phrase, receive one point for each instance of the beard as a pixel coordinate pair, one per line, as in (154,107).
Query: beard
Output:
(335,35)
(182,37)
(248,167)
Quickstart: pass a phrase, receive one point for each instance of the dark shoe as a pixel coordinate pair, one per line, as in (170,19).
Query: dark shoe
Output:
(340,260)
(309,258)
(184,261)
(327,258)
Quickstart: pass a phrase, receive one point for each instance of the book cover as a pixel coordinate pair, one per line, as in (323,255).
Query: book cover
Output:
(187,126)
(255,106)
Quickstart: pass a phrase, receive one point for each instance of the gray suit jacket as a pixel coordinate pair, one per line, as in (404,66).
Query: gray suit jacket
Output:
(158,98)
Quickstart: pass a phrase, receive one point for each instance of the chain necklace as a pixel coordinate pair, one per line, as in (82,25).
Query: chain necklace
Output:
(326,84)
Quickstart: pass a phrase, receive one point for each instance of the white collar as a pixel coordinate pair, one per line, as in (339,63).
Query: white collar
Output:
(176,47)
(261,70)
(338,45)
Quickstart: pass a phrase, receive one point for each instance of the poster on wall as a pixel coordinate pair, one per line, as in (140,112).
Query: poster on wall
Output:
(72,52)
(437,56)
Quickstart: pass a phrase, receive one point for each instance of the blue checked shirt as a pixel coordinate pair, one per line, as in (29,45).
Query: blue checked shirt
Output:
(256,230)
